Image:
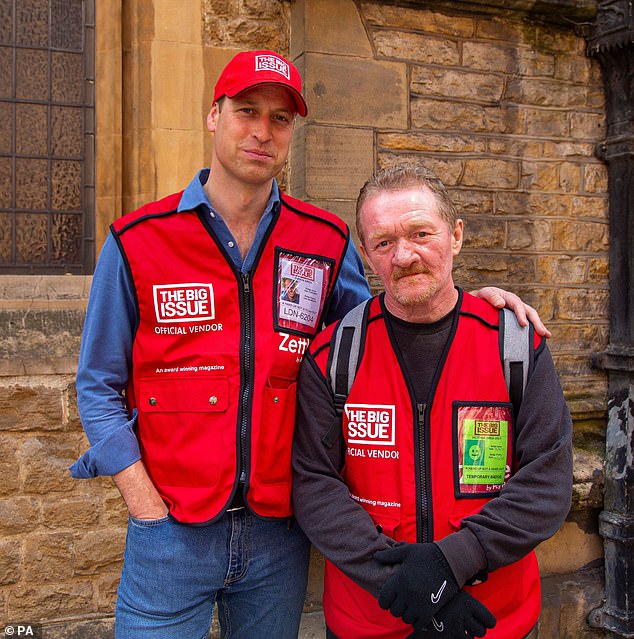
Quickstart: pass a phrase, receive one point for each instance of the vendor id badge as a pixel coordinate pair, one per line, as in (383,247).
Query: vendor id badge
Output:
(302,287)
(484,447)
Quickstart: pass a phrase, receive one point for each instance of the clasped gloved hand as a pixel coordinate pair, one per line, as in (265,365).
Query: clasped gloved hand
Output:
(464,616)
(421,586)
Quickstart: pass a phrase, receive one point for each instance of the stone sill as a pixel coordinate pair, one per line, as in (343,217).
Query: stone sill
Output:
(43,287)
(41,317)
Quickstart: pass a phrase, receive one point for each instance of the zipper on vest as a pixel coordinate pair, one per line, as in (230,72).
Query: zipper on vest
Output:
(248,373)
(423,498)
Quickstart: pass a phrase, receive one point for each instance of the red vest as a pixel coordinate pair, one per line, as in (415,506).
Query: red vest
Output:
(418,471)
(216,353)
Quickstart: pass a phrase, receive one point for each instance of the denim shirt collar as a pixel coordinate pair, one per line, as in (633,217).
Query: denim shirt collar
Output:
(195,197)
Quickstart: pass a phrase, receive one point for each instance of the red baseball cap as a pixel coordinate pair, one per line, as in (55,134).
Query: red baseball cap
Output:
(251,68)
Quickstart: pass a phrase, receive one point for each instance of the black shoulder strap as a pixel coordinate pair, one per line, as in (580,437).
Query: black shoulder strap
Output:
(344,358)
(343,362)
(517,355)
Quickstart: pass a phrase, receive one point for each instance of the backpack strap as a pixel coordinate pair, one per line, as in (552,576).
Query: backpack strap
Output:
(343,362)
(517,355)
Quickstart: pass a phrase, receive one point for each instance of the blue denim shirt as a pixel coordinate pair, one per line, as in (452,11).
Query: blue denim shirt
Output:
(106,347)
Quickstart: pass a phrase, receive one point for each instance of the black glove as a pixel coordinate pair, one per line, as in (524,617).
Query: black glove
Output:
(421,586)
(464,616)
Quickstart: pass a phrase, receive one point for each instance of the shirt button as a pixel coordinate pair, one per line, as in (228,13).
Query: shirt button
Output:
(152,401)
(213,400)
(231,244)
(212,214)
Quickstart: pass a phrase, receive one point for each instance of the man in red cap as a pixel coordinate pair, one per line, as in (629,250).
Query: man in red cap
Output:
(253,68)
(187,372)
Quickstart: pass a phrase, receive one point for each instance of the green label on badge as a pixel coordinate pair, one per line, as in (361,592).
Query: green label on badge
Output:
(484,451)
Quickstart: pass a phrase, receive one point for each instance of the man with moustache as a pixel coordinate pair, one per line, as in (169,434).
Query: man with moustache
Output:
(424,494)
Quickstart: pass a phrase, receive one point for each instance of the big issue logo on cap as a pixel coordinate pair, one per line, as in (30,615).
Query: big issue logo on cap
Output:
(251,68)
(272,63)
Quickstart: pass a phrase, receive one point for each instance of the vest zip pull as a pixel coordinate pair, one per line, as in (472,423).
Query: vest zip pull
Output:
(246,362)
(423,533)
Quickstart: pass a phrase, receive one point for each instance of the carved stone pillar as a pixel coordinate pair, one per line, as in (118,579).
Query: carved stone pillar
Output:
(612,44)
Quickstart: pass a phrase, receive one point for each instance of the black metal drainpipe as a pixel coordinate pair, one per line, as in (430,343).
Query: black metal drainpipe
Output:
(612,44)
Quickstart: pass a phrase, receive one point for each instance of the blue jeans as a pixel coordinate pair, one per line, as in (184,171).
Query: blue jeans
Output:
(255,570)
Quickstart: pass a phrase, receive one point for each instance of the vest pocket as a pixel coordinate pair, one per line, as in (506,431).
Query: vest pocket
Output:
(386,525)
(273,461)
(462,509)
(182,428)
(183,395)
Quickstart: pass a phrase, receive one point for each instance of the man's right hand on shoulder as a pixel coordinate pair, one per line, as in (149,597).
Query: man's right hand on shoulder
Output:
(139,493)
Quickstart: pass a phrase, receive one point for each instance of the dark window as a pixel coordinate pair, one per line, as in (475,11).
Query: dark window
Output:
(47,136)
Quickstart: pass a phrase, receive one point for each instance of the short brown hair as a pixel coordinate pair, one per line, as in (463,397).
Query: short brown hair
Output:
(404,176)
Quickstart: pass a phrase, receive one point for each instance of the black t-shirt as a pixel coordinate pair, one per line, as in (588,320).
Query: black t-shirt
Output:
(421,347)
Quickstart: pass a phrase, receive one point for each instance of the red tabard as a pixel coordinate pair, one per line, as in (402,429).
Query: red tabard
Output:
(216,353)
(397,460)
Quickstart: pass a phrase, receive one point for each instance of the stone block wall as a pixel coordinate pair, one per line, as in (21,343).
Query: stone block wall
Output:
(505,107)
(61,540)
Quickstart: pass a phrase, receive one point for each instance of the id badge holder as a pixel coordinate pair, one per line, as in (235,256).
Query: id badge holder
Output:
(483,447)
(302,284)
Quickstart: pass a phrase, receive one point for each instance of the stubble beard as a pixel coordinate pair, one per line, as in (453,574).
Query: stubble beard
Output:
(410,297)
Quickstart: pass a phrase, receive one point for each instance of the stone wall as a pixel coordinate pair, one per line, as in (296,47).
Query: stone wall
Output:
(505,106)
(61,540)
